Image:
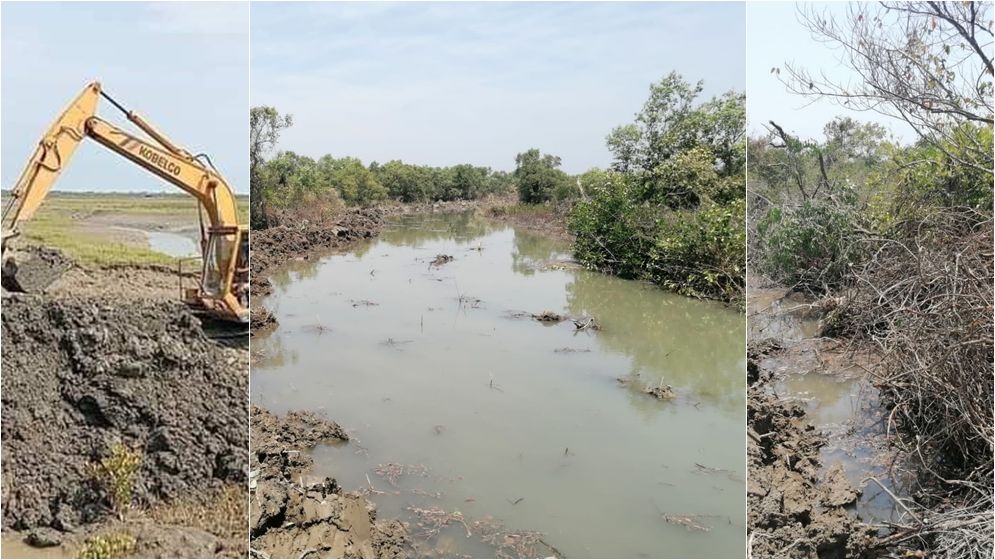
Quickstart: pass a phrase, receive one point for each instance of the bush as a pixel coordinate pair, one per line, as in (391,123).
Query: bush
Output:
(699,253)
(702,253)
(613,233)
(111,545)
(115,475)
(810,246)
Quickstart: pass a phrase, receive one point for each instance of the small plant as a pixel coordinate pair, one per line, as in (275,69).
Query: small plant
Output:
(116,475)
(110,545)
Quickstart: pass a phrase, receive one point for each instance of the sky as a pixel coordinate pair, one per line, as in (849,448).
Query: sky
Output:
(442,84)
(183,66)
(776,37)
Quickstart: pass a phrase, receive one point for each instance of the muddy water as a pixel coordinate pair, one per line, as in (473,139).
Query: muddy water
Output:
(13,546)
(499,417)
(831,380)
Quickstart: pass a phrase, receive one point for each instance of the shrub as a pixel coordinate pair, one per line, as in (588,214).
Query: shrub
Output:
(111,545)
(810,246)
(115,474)
(699,253)
(702,253)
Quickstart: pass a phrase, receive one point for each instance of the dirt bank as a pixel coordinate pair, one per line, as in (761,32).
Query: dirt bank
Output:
(794,510)
(548,220)
(295,515)
(83,376)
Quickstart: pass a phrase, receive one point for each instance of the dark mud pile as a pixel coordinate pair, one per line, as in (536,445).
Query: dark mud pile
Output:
(295,515)
(794,510)
(277,245)
(81,375)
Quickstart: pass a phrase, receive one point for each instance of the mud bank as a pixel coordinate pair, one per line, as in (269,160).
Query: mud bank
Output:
(547,220)
(83,375)
(794,510)
(296,515)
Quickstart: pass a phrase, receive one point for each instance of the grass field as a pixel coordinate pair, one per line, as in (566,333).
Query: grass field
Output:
(104,228)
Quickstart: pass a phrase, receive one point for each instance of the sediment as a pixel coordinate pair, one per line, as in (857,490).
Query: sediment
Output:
(84,374)
(295,515)
(794,510)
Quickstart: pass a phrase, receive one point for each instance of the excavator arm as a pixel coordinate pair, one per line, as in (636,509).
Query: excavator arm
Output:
(223,290)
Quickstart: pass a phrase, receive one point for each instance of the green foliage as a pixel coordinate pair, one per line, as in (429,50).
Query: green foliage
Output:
(699,252)
(265,125)
(811,246)
(116,473)
(110,545)
(613,232)
(537,177)
(931,175)
(702,253)
(672,210)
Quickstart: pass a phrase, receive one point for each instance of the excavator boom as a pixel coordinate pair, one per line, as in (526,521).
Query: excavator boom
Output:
(223,289)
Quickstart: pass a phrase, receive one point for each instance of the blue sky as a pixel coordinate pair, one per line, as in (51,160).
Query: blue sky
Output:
(442,84)
(184,66)
(775,37)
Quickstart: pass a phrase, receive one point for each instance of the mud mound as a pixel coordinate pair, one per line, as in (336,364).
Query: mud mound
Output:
(293,515)
(81,375)
(793,510)
(274,246)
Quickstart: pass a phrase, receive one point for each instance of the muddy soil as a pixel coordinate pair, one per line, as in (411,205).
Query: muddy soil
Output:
(83,373)
(794,510)
(295,515)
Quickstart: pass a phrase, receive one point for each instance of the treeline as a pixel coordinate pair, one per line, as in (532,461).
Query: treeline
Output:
(671,209)
(291,179)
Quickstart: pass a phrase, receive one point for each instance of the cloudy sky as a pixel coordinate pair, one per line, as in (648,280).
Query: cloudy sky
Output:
(184,66)
(442,84)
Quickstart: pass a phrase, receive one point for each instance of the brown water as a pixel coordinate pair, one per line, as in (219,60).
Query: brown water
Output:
(499,417)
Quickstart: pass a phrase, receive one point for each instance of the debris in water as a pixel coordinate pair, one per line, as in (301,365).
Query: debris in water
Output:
(391,343)
(549,317)
(567,350)
(441,259)
(438,429)
(392,472)
(427,494)
(690,522)
(364,303)
(585,323)
(316,328)
(661,392)
(432,520)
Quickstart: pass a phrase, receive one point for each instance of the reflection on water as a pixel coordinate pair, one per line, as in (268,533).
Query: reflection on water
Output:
(500,417)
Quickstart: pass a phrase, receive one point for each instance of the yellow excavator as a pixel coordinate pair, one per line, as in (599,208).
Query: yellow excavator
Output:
(223,289)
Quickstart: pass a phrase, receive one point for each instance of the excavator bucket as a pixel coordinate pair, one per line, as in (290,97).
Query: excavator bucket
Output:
(30,271)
